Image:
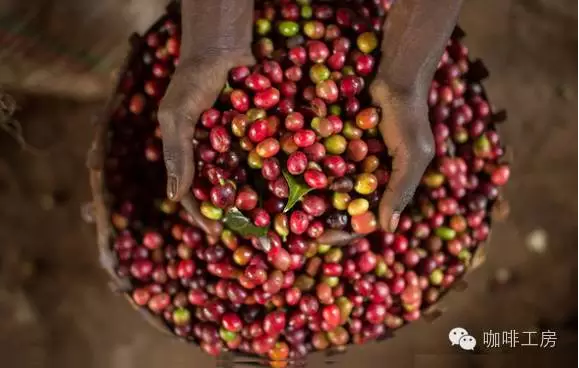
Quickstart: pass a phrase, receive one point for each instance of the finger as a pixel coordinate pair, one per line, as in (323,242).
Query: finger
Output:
(408,165)
(177,134)
(210,227)
(337,237)
(264,243)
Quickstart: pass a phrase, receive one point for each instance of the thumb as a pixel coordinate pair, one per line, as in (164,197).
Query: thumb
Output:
(337,237)
(406,174)
(177,135)
(211,227)
(178,156)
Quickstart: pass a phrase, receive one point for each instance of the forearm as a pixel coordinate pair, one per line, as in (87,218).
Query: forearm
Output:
(415,35)
(216,26)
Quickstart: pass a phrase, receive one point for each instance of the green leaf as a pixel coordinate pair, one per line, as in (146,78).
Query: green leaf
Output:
(237,222)
(297,190)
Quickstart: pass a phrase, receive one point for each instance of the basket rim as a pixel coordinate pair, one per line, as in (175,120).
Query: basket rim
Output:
(95,164)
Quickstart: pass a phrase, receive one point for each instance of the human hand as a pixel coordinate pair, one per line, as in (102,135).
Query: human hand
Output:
(406,131)
(415,35)
(194,87)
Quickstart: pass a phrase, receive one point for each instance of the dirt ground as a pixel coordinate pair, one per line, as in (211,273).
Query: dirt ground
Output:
(56,309)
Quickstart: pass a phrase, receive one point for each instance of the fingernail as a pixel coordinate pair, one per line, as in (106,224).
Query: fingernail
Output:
(171,187)
(394,222)
(265,243)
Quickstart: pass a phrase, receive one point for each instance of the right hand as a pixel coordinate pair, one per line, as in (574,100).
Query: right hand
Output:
(194,87)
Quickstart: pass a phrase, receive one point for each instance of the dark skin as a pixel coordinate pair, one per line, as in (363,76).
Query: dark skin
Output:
(217,36)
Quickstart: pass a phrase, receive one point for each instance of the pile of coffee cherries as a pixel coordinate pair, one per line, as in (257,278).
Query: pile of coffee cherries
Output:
(290,149)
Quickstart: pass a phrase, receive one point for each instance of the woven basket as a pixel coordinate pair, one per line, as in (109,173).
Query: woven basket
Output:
(95,162)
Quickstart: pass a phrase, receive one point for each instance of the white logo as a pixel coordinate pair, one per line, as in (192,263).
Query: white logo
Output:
(459,336)
(467,342)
